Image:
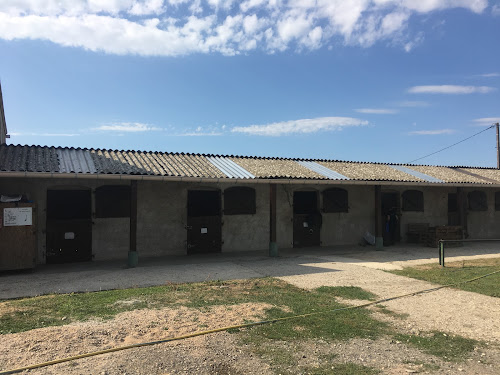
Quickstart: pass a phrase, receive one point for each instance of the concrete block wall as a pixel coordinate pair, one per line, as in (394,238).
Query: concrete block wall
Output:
(484,224)
(435,207)
(162,215)
(110,236)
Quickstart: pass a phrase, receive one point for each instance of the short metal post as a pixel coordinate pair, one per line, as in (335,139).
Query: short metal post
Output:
(441,250)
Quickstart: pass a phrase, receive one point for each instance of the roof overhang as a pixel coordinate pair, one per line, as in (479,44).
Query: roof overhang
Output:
(281,181)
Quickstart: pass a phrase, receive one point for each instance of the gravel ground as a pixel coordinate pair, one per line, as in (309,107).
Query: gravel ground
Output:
(453,311)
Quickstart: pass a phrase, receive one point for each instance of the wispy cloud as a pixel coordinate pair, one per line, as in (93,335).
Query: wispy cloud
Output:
(489,75)
(302,126)
(450,89)
(412,104)
(433,132)
(377,111)
(180,27)
(127,127)
(486,121)
(197,134)
(495,10)
(44,134)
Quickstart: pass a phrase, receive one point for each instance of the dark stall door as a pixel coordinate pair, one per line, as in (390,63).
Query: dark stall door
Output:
(391,218)
(204,225)
(307,219)
(69,226)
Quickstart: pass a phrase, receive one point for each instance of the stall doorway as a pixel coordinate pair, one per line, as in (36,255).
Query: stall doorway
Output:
(391,215)
(453,216)
(307,219)
(204,226)
(69,226)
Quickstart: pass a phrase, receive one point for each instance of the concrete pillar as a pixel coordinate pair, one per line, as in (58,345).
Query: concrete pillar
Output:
(379,240)
(132,254)
(462,210)
(273,245)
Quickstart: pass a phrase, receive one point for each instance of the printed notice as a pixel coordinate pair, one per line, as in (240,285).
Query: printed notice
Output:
(14,217)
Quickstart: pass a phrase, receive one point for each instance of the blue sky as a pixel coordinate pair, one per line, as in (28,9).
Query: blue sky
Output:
(360,80)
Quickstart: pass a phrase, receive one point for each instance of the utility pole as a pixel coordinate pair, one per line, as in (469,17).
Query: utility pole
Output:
(498,146)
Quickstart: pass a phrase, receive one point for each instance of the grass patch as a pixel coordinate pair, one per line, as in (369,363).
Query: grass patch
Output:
(455,272)
(347,292)
(384,310)
(440,344)
(54,310)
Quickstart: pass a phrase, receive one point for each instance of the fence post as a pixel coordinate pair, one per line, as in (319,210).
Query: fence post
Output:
(441,253)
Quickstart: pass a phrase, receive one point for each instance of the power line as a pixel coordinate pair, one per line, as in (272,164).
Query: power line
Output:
(463,140)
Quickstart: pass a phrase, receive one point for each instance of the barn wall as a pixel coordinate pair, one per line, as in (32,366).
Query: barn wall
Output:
(248,232)
(347,228)
(162,216)
(435,207)
(110,236)
(484,224)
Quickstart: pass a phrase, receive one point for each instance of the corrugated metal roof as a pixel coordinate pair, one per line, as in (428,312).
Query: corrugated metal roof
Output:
(493,175)
(65,160)
(452,175)
(417,174)
(229,167)
(275,168)
(28,159)
(75,161)
(369,171)
(322,170)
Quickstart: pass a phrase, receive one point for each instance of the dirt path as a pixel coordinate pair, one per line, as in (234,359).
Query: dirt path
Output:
(458,312)
(463,313)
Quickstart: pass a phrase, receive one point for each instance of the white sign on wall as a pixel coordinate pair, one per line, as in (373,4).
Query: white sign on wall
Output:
(14,217)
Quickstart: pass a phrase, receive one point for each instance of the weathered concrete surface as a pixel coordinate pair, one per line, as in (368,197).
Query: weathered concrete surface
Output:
(329,262)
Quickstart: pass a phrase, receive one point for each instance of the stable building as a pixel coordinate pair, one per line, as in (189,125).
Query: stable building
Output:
(94,204)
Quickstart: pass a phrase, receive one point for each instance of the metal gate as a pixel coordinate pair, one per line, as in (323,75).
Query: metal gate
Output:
(204,224)
(69,226)
(307,219)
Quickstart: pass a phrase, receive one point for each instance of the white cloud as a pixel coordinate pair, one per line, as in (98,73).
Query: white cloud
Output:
(495,10)
(302,126)
(450,89)
(377,111)
(169,27)
(433,132)
(486,121)
(489,75)
(128,127)
(147,7)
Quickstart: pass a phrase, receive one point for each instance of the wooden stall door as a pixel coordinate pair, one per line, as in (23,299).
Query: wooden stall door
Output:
(204,222)
(307,219)
(69,226)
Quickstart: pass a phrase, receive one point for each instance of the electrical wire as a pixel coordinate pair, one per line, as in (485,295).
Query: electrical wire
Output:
(245,325)
(463,140)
